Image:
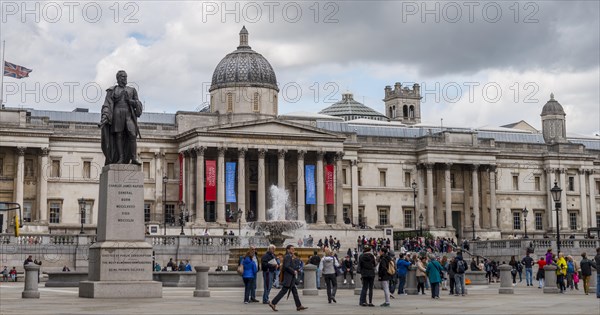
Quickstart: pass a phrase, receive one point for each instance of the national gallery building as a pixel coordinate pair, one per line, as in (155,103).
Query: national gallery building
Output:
(348,168)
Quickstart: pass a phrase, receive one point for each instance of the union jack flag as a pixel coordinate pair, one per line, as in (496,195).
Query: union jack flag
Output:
(15,71)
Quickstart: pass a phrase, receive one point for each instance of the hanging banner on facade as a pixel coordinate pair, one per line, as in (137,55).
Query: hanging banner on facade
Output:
(211,180)
(180,177)
(230,182)
(329,184)
(309,176)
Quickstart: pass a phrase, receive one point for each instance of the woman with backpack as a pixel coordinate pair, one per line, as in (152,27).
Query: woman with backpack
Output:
(329,265)
(572,273)
(387,270)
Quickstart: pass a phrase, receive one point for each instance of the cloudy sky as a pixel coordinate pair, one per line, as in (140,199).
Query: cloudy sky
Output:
(479,63)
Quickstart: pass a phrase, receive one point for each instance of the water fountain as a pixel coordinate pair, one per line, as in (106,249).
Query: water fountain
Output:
(276,223)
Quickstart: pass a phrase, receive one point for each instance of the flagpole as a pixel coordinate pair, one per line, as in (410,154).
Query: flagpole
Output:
(2,76)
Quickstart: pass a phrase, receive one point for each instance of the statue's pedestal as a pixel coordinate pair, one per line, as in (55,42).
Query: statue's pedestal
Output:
(120,263)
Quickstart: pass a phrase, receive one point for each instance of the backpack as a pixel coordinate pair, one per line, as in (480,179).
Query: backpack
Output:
(570,267)
(391,269)
(461,266)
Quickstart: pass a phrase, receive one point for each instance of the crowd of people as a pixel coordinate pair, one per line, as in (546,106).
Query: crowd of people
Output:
(173,266)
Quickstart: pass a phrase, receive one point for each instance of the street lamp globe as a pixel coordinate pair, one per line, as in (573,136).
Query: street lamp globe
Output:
(556,192)
(165,179)
(414,185)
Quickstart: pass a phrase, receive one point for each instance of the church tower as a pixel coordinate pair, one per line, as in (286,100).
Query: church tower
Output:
(403,104)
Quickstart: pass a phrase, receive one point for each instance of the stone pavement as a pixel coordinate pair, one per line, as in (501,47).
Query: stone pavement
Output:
(480,300)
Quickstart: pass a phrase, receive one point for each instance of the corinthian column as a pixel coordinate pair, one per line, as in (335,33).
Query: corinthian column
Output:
(221,186)
(300,203)
(261,185)
(339,189)
(448,191)
(43,196)
(582,199)
(564,218)
(200,185)
(242,181)
(20,174)
(475,180)
(493,211)
(549,201)
(281,168)
(430,218)
(320,192)
(592,183)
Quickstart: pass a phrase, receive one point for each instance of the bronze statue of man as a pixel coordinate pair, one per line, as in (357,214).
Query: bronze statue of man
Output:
(119,123)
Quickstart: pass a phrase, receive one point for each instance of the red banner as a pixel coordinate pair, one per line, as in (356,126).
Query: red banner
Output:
(180,177)
(211,181)
(329,184)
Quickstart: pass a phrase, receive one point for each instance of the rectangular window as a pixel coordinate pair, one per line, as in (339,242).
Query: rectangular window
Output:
(55,212)
(345,175)
(571,183)
(87,215)
(359,177)
(1,167)
(573,220)
(598,189)
(346,214)
(170,213)
(87,165)
(382,178)
(516,220)
(255,102)
(171,170)
(452,181)
(229,102)
(407,180)
(539,223)
(361,216)
(28,167)
(147,210)
(55,168)
(408,218)
(384,214)
(536,182)
(515,182)
(146,167)
(27,211)
(598,219)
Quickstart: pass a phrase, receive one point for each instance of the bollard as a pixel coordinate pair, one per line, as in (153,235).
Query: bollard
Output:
(260,287)
(357,284)
(506,286)
(31,282)
(550,279)
(593,281)
(411,281)
(310,280)
(201,282)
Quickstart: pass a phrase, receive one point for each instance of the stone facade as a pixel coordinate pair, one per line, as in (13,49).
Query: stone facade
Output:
(50,159)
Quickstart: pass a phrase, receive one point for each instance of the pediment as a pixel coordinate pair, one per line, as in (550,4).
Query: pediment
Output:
(274,128)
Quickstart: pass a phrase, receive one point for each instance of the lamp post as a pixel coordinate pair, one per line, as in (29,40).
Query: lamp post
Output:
(525,212)
(239,215)
(165,180)
(414,187)
(182,215)
(81,213)
(556,192)
(421,224)
(473,221)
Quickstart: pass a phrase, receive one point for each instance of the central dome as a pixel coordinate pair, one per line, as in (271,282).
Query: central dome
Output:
(244,68)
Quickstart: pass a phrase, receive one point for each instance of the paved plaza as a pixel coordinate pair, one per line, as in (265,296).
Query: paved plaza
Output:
(481,300)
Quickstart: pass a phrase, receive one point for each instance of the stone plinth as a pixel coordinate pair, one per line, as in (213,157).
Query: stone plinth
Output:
(593,281)
(358,284)
(260,283)
(310,280)
(506,285)
(32,272)
(201,282)
(120,263)
(476,277)
(550,279)
(411,281)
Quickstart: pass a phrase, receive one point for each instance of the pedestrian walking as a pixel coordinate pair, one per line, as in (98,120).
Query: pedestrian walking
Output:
(421,276)
(586,272)
(387,269)
(268,265)
(434,273)
(329,265)
(561,272)
(289,281)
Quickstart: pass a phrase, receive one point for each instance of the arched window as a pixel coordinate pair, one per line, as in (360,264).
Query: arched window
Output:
(255,102)
(229,102)
(411,112)
(391,112)
(405,111)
